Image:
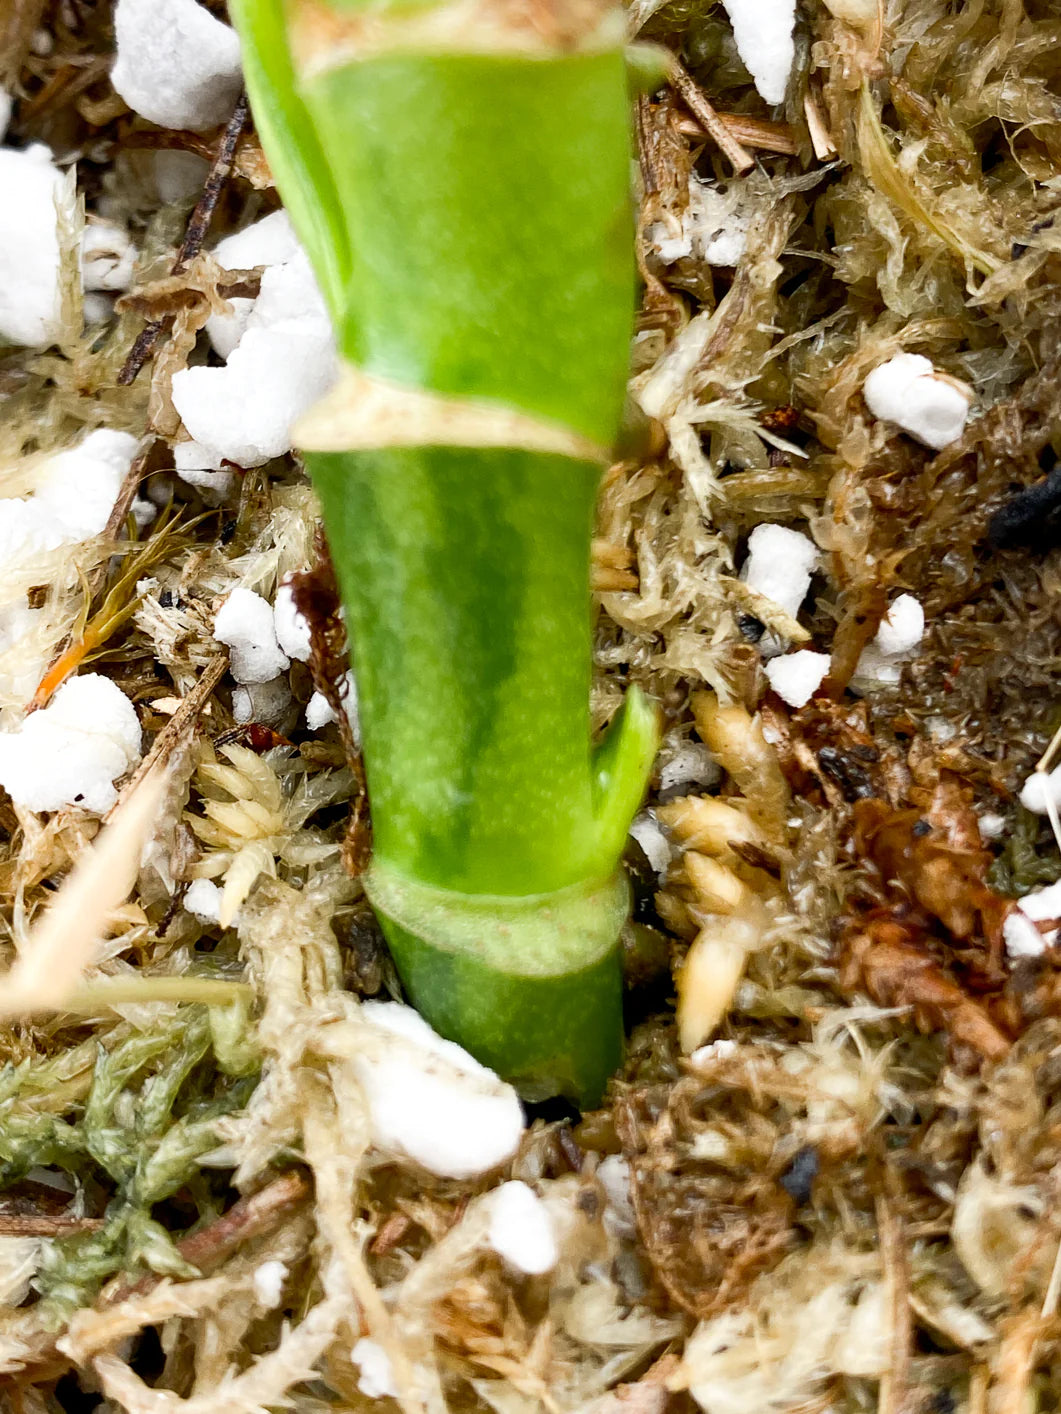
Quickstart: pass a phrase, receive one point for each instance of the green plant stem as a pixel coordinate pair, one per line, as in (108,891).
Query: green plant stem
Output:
(488,237)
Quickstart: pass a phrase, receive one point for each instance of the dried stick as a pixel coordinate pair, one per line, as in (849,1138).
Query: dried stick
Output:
(194,235)
(694,99)
(177,727)
(895,1380)
(820,136)
(752,132)
(205,1250)
(211,1245)
(45,1224)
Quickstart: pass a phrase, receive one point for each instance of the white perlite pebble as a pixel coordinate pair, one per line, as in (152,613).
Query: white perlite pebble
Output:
(108,257)
(521,1230)
(292,628)
(377,1377)
(691,765)
(191,463)
(179,176)
(1042,905)
(900,631)
(908,391)
(902,627)
(203,901)
(875,667)
(75,494)
(992,826)
(72,752)
(77,488)
(649,835)
(269,1281)
(265,702)
(714,226)
(796,677)
(1022,938)
(431,1101)
(143,512)
(319,712)
(245,624)
(270,241)
(763,32)
(284,362)
(1039,788)
(177,65)
(32,189)
(34,192)
(714,1050)
(779,565)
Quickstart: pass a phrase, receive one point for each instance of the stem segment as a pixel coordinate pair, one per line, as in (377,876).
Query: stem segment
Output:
(481,170)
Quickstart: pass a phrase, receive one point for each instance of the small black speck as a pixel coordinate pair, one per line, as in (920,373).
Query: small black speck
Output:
(1030,517)
(751,627)
(165,599)
(228,530)
(588,1202)
(854,780)
(798,1179)
(921,829)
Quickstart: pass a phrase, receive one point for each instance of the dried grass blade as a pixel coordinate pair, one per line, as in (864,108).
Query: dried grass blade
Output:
(884,173)
(65,942)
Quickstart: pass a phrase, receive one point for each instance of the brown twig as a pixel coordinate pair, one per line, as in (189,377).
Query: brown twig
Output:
(694,99)
(45,1225)
(661,307)
(194,235)
(211,1245)
(650,178)
(752,132)
(176,728)
(895,1380)
(205,1250)
(316,595)
(248,162)
(820,137)
(126,495)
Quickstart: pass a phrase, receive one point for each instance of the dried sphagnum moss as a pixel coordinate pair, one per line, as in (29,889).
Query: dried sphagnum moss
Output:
(844,1209)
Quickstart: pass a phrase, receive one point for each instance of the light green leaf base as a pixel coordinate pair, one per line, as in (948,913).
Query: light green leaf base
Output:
(531,986)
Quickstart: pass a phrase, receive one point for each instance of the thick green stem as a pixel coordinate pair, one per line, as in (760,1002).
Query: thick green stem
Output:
(529,984)
(483,183)
(465,574)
